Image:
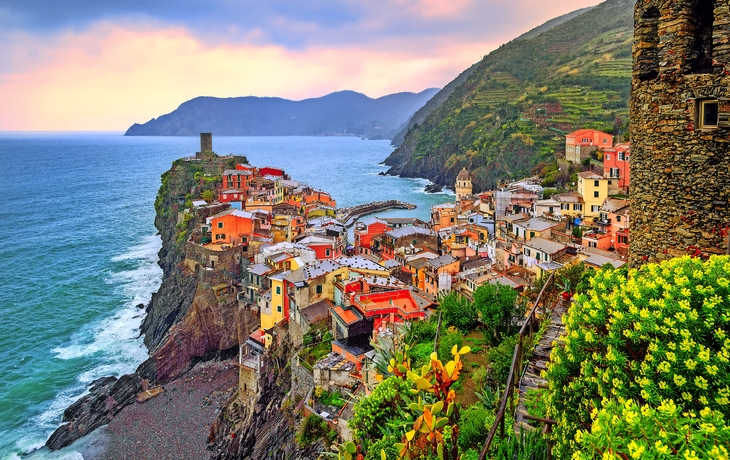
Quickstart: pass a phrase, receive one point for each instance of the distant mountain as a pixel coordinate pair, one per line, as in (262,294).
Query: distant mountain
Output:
(340,113)
(446,91)
(510,111)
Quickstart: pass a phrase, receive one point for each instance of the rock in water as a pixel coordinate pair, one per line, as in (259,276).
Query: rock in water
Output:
(433,188)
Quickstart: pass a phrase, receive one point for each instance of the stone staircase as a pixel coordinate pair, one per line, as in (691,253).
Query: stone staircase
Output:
(538,361)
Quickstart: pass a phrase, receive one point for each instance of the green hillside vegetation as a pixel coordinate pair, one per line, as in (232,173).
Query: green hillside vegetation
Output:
(516,105)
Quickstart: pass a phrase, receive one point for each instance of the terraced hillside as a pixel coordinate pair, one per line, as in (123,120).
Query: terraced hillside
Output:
(515,106)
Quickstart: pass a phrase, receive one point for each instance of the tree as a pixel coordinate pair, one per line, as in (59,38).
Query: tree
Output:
(497,307)
(458,312)
(208,195)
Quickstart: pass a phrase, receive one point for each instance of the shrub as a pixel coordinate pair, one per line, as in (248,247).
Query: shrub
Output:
(480,379)
(421,331)
(655,335)
(497,307)
(474,427)
(500,360)
(312,429)
(447,341)
(380,407)
(458,312)
(630,431)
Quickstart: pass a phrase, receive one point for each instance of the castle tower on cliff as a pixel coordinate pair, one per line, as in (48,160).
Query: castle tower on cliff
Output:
(206,144)
(680,129)
(463,185)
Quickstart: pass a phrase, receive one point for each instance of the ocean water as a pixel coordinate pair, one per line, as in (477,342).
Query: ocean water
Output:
(79,253)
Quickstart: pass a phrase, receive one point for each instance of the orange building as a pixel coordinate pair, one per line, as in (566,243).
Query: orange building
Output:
(364,233)
(579,144)
(443,215)
(234,227)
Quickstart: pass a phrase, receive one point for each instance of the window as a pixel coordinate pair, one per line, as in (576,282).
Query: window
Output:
(592,244)
(614,172)
(220,236)
(278,290)
(595,208)
(618,218)
(532,234)
(537,256)
(610,182)
(623,239)
(595,194)
(319,289)
(527,252)
(621,156)
(605,141)
(577,207)
(565,207)
(707,114)
(608,157)
(220,224)
(327,252)
(278,308)
(596,183)
(627,158)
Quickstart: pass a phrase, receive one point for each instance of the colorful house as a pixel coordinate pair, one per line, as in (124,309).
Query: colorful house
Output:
(438,273)
(580,144)
(365,232)
(594,190)
(231,227)
(540,250)
(616,166)
(443,215)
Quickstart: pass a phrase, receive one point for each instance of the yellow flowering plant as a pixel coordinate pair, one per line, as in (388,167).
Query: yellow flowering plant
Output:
(653,334)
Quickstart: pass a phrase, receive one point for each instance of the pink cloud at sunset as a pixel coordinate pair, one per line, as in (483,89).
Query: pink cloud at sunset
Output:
(115,71)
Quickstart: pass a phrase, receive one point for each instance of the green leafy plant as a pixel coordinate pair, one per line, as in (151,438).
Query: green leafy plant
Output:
(498,308)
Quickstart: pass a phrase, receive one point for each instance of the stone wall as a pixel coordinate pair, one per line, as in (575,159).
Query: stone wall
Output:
(302,379)
(680,174)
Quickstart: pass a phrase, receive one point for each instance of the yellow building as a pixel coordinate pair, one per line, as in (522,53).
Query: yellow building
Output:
(594,190)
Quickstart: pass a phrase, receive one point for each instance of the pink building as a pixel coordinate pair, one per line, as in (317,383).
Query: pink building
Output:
(616,165)
(580,144)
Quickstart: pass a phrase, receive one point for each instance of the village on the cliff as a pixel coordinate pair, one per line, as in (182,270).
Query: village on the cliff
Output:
(277,247)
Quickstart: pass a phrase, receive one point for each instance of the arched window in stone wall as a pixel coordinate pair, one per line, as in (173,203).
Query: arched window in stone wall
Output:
(700,53)
(646,59)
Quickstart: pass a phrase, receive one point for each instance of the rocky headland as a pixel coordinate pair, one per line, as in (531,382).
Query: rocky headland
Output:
(187,323)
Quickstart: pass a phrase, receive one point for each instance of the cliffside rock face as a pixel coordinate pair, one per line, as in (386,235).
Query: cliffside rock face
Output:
(185,323)
(256,426)
(107,397)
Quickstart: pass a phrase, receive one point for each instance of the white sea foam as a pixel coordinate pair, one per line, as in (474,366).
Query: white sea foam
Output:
(113,344)
(117,337)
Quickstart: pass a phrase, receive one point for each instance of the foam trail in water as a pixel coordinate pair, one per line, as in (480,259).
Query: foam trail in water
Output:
(113,344)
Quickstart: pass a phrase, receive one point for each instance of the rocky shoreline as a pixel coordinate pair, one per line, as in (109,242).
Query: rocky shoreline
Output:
(185,324)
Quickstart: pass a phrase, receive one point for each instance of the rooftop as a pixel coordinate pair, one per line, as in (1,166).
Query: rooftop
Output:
(546,246)
(442,261)
(409,230)
(313,270)
(358,262)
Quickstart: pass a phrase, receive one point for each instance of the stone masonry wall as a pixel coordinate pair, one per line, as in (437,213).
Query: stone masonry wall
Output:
(680,174)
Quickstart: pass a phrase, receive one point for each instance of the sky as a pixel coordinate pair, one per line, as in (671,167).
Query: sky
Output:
(102,65)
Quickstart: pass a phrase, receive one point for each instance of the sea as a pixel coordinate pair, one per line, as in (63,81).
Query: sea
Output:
(79,253)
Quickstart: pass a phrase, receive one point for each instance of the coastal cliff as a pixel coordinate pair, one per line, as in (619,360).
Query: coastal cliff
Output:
(507,115)
(186,321)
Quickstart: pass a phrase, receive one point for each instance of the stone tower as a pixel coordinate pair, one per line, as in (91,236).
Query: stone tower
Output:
(463,184)
(680,129)
(206,144)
